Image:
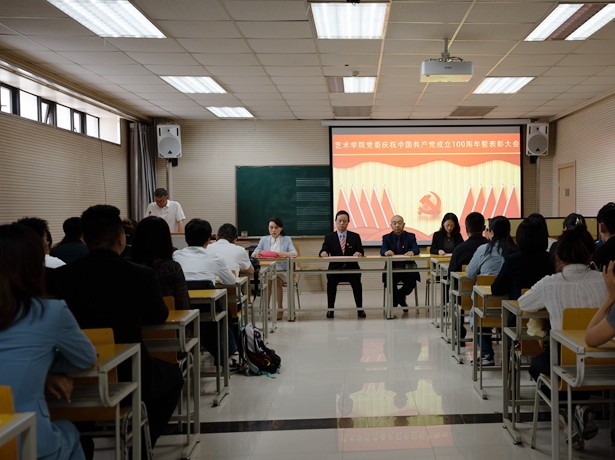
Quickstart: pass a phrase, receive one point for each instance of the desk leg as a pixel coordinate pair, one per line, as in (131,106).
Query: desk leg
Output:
(222,390)
(554,346)
(136,406)
(388,306)
(291,290)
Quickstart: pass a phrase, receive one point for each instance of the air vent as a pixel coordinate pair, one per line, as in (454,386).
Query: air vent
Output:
(479,111)
(352,112)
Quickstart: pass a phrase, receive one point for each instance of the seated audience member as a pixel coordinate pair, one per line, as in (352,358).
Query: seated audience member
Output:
(522,269)
(448,237)
(576,286)
(103,289)
(38,335)
(462,254)
(601,328)
(401,242)
(130,227)
(536,216)
(152,246)
(281,244)
(72,246)
(343,242)
(41,227)
(487,260)
(571,221)
(236,257)
(606,228)
(202,269)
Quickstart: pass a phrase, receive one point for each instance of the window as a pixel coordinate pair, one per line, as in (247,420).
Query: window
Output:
(8,99)
(78,121)
(28,105)
(92,126)
(63,114)
(48,112)
(53,108)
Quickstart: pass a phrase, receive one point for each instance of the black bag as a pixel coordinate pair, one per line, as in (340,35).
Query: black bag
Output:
(259,359)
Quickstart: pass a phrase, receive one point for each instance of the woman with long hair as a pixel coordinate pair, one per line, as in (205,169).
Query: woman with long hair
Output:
(39,339)
(446,239)
(152,246)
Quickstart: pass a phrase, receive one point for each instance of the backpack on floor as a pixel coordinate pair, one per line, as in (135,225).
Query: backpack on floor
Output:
(259,359)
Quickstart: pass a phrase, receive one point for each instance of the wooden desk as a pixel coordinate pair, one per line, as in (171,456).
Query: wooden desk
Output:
(208,297)
(487,312)
(188,340)
(268,307)
(422,261)
(20,424)
(576,375)
(460,291)
(108,393)
(511,400)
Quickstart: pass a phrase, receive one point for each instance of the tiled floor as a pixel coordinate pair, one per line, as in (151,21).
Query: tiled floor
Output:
(364,389)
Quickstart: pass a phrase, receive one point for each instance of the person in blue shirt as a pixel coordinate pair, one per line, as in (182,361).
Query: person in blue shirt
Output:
(488,260)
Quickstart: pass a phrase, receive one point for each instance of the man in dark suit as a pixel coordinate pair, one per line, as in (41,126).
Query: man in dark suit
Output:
(343,243)
(102,289)
(401,242)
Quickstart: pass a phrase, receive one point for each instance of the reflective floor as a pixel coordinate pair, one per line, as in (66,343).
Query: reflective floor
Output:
(365,389)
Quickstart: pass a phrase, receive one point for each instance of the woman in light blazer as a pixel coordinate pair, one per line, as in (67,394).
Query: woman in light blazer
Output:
(277,242)
(38,336)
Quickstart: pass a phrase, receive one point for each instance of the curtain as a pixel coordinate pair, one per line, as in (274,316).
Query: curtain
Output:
(142,169)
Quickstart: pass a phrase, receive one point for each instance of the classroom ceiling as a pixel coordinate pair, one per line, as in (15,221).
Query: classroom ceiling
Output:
(266,55)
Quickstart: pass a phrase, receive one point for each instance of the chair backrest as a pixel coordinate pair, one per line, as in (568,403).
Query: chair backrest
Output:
(8,451)
(100,336)
(169,301)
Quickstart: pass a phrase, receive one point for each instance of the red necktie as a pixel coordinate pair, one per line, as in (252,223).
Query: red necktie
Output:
(342,243)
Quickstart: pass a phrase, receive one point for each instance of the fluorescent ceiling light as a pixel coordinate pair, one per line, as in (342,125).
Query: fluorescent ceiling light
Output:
(230,112)
(502,85)
(109,18)
(195,84)
(573,21)
(557,17)
(359,84)
(349,20)
(593,24)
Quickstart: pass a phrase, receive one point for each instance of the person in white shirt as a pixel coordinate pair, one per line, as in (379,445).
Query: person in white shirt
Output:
(200,265)
(235,256)
(41,227)
(170,211)
(575,286)
(197,263)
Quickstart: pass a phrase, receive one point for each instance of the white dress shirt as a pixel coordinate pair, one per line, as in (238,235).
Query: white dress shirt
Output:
(575,286)
(236,257)
(172,213)
(198,264)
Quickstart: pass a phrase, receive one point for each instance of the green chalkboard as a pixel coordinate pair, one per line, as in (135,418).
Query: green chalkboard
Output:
(299,195)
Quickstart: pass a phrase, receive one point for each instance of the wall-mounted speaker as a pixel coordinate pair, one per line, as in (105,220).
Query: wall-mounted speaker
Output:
(537,139)
(169,141)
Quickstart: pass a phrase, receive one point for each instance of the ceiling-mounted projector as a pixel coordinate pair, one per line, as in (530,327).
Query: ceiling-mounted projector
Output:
(447,69)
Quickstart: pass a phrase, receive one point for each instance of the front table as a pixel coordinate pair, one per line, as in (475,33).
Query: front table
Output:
(422,261)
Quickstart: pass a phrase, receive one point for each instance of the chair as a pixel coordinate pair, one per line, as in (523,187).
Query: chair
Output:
(296,276)
(574,319)
(8,451)
(102,416)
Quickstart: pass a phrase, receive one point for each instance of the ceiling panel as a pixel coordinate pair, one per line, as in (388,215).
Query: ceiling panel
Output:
(265,53)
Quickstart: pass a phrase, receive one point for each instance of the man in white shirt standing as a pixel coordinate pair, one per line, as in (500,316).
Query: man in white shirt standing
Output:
(170,211)
(235,256)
